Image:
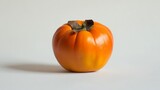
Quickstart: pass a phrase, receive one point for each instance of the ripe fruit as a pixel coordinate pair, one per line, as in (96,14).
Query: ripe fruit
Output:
(82,46)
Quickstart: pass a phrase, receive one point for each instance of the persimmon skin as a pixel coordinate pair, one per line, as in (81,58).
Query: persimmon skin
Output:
(83,50)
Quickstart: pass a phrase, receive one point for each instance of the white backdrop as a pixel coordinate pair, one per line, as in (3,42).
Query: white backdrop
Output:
(27,61)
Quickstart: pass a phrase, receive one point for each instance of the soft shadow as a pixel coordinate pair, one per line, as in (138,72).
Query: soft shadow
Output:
(40,68)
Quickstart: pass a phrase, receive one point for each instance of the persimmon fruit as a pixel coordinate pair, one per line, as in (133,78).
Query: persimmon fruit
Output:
(82,46)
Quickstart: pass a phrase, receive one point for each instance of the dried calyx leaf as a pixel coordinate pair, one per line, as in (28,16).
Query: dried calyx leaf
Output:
(74,25)
(87,24)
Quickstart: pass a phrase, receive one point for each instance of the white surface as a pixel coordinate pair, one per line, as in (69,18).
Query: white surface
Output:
(27,61)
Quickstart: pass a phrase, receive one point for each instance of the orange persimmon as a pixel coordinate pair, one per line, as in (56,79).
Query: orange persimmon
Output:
(82,46)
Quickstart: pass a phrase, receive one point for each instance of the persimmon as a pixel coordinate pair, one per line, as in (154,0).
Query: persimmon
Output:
(82,46)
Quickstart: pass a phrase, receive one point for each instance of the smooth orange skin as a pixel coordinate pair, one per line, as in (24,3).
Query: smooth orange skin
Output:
(83,51)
